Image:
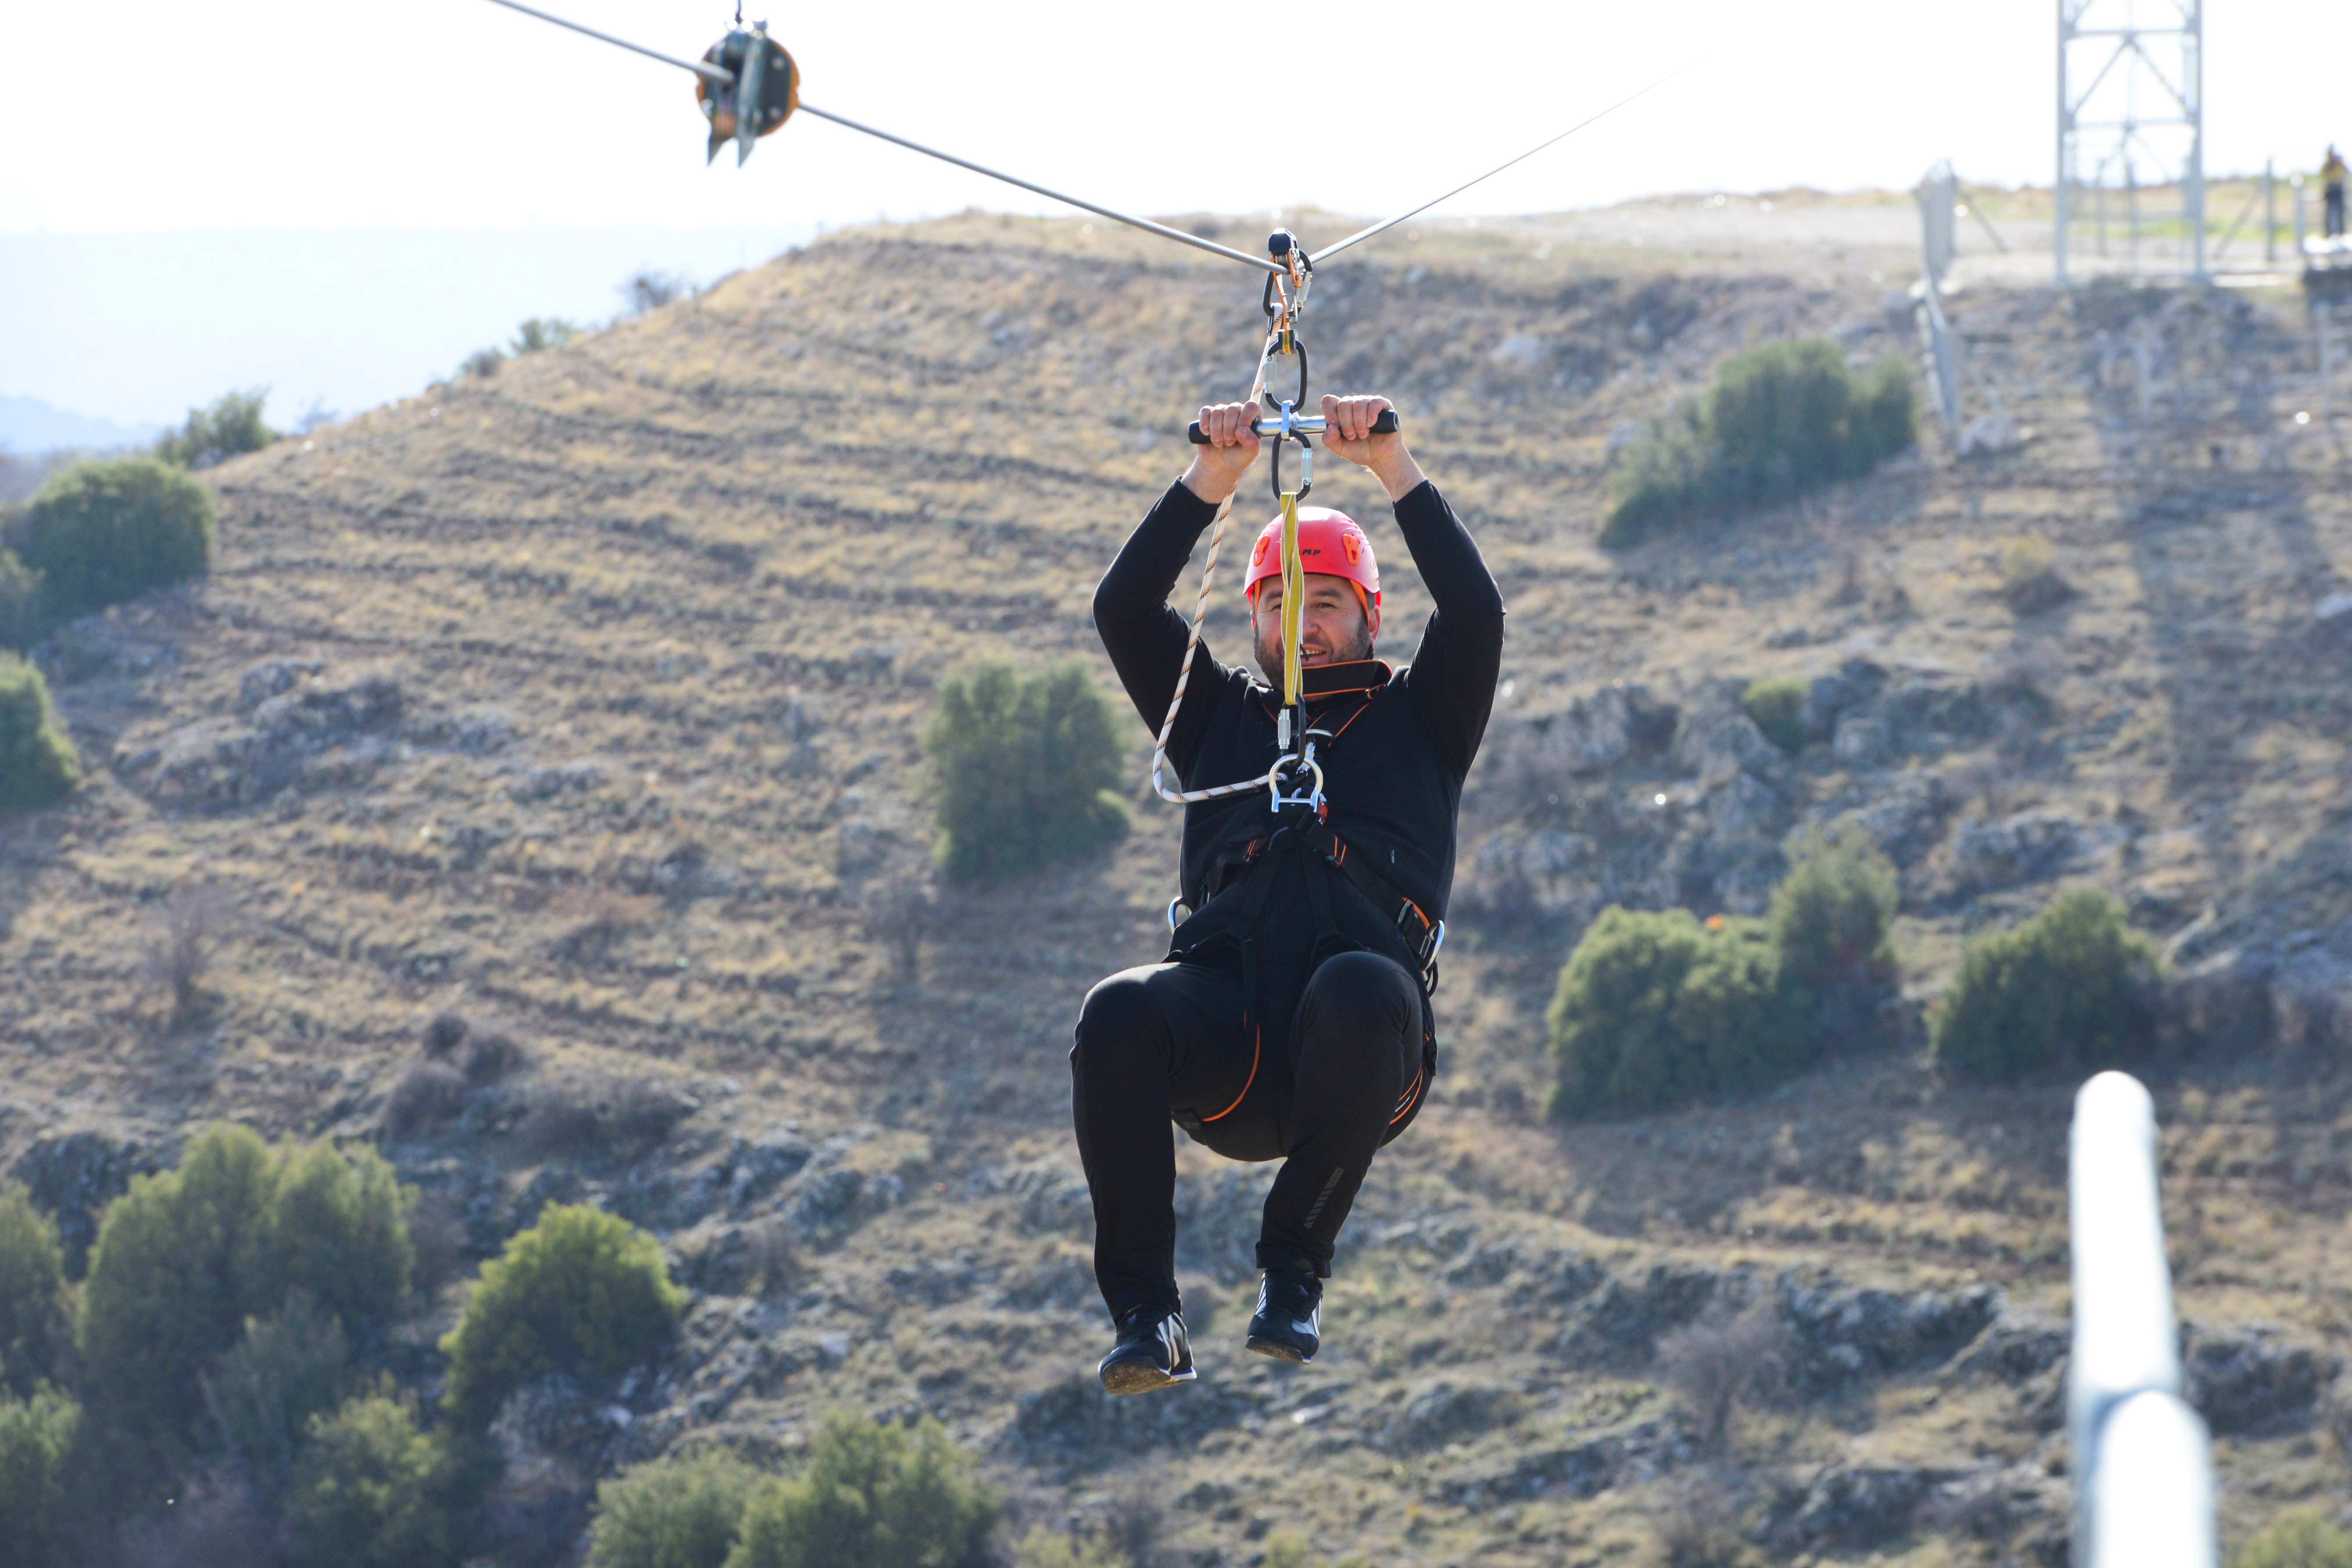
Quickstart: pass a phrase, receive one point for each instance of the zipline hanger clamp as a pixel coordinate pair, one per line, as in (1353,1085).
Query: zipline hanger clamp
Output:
(763,88)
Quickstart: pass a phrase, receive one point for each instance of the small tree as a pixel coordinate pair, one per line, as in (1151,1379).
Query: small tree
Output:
(876,1496)
(37,763)
(233,425)
(187,930)
(1716,1363)
(263,1392)
(1777,703)
(102,533)
(1781,419)
(646,289)
(21,622)
(1653,1009)
(1026,766)
(39,1442)
(33,1324)
(2074,986)
(541,333)
(675,1512)
(582,1291)
(186,1256)
(370,1490)
(1832,914)
(2296,1540)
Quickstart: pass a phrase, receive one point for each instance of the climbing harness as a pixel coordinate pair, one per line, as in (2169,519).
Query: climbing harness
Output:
(748,85)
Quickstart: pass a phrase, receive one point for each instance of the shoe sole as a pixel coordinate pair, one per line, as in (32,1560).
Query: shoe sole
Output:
(1278,1351)
(1141,1377)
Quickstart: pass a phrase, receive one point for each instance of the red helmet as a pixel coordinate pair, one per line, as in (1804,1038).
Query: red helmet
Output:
(1329,543)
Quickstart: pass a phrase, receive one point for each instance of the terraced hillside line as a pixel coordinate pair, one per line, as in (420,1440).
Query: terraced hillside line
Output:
(586,699)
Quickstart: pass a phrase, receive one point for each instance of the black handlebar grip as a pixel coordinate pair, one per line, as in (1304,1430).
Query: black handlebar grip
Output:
(1385,423)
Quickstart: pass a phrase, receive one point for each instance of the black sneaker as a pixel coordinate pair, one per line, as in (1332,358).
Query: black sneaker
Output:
(1289,1321)
(1153,1351)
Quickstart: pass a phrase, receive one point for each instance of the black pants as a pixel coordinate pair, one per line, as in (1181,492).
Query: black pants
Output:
(2335,211)
(1166,1038)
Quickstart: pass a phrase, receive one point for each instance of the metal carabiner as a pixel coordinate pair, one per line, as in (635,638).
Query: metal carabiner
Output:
(1313,799)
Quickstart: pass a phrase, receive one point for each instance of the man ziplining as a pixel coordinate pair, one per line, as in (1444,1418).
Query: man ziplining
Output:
(1291,1020)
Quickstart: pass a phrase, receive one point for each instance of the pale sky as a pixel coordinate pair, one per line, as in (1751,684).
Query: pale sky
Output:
(153,116)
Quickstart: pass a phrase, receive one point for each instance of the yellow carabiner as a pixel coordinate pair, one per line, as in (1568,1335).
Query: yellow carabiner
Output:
(1294,599)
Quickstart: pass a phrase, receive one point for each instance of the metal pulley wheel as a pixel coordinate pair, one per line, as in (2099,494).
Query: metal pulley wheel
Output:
(765,90)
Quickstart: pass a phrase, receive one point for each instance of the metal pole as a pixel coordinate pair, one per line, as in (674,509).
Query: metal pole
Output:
(2142,1464)
(2270,211)
(2059,213)
(2195,192)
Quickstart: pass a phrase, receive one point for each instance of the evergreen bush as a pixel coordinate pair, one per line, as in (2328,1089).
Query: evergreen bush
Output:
(38,762)
(582,1291)
(1654,1009)
(874,1496)
(675,1512)
(185,1257)
(2074,987)
(1777,703)
(33,1323)
(1028,766)
(21,621)
(2296,1540)
(371,1490)
(230,426)
(104,532)
(1783,419)
(1832,914)
(40,1452)
(263,1391)
(541,333)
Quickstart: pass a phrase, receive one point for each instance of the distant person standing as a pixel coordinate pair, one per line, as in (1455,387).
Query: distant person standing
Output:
(2331,180)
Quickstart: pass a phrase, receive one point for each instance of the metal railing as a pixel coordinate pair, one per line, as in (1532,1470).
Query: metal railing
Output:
(2141,1457)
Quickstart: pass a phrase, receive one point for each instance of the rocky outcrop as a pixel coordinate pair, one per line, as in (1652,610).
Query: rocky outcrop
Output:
(74,1175)
(303,729)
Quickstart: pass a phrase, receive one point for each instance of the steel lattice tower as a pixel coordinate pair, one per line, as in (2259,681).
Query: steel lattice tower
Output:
(2131,105)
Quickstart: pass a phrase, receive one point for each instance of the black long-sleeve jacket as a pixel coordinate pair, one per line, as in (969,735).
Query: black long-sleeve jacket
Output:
(1392,774)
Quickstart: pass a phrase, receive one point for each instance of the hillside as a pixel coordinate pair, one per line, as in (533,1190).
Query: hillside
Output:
(584,700)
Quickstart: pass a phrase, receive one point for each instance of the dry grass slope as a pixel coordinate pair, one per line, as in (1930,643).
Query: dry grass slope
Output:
(594,719)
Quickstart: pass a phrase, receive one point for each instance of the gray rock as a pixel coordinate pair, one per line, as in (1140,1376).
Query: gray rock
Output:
(270,677)
(1074,1425)
(2015,1347)
(1448,1413)
(1838,1334)
(1861,741)
(1621,1322)
(217,763)
(72,1176)
(2252,1379)
(1746,806)
(755,1170)
(1855,682)
(1578,1469)
(545,783)
(1907,817)
(1217,1222)
(2030,847)
(1851,1509)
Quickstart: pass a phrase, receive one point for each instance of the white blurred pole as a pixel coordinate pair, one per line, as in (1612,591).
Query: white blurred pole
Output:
(2143,1487)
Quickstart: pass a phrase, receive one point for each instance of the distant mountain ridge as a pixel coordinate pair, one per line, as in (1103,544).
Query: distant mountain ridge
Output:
(28,425)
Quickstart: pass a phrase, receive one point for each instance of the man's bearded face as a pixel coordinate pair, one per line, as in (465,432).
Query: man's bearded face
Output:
(1333,625)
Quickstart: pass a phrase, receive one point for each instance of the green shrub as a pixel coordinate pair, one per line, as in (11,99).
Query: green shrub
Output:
(1027,765)
(581,1291)
(38,762)
(1777,703)
(2296,1540)
(1780,420)
(370,1490)
(262,1392)
(21,621)
(675,1512)
(873,1496)
(232,426)
(541,333)
(1831,914)
(41,1440)
(1043,1548)
(33,1325)
(1653,1009)
(187,1256)
(102,533)
(2072,987)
